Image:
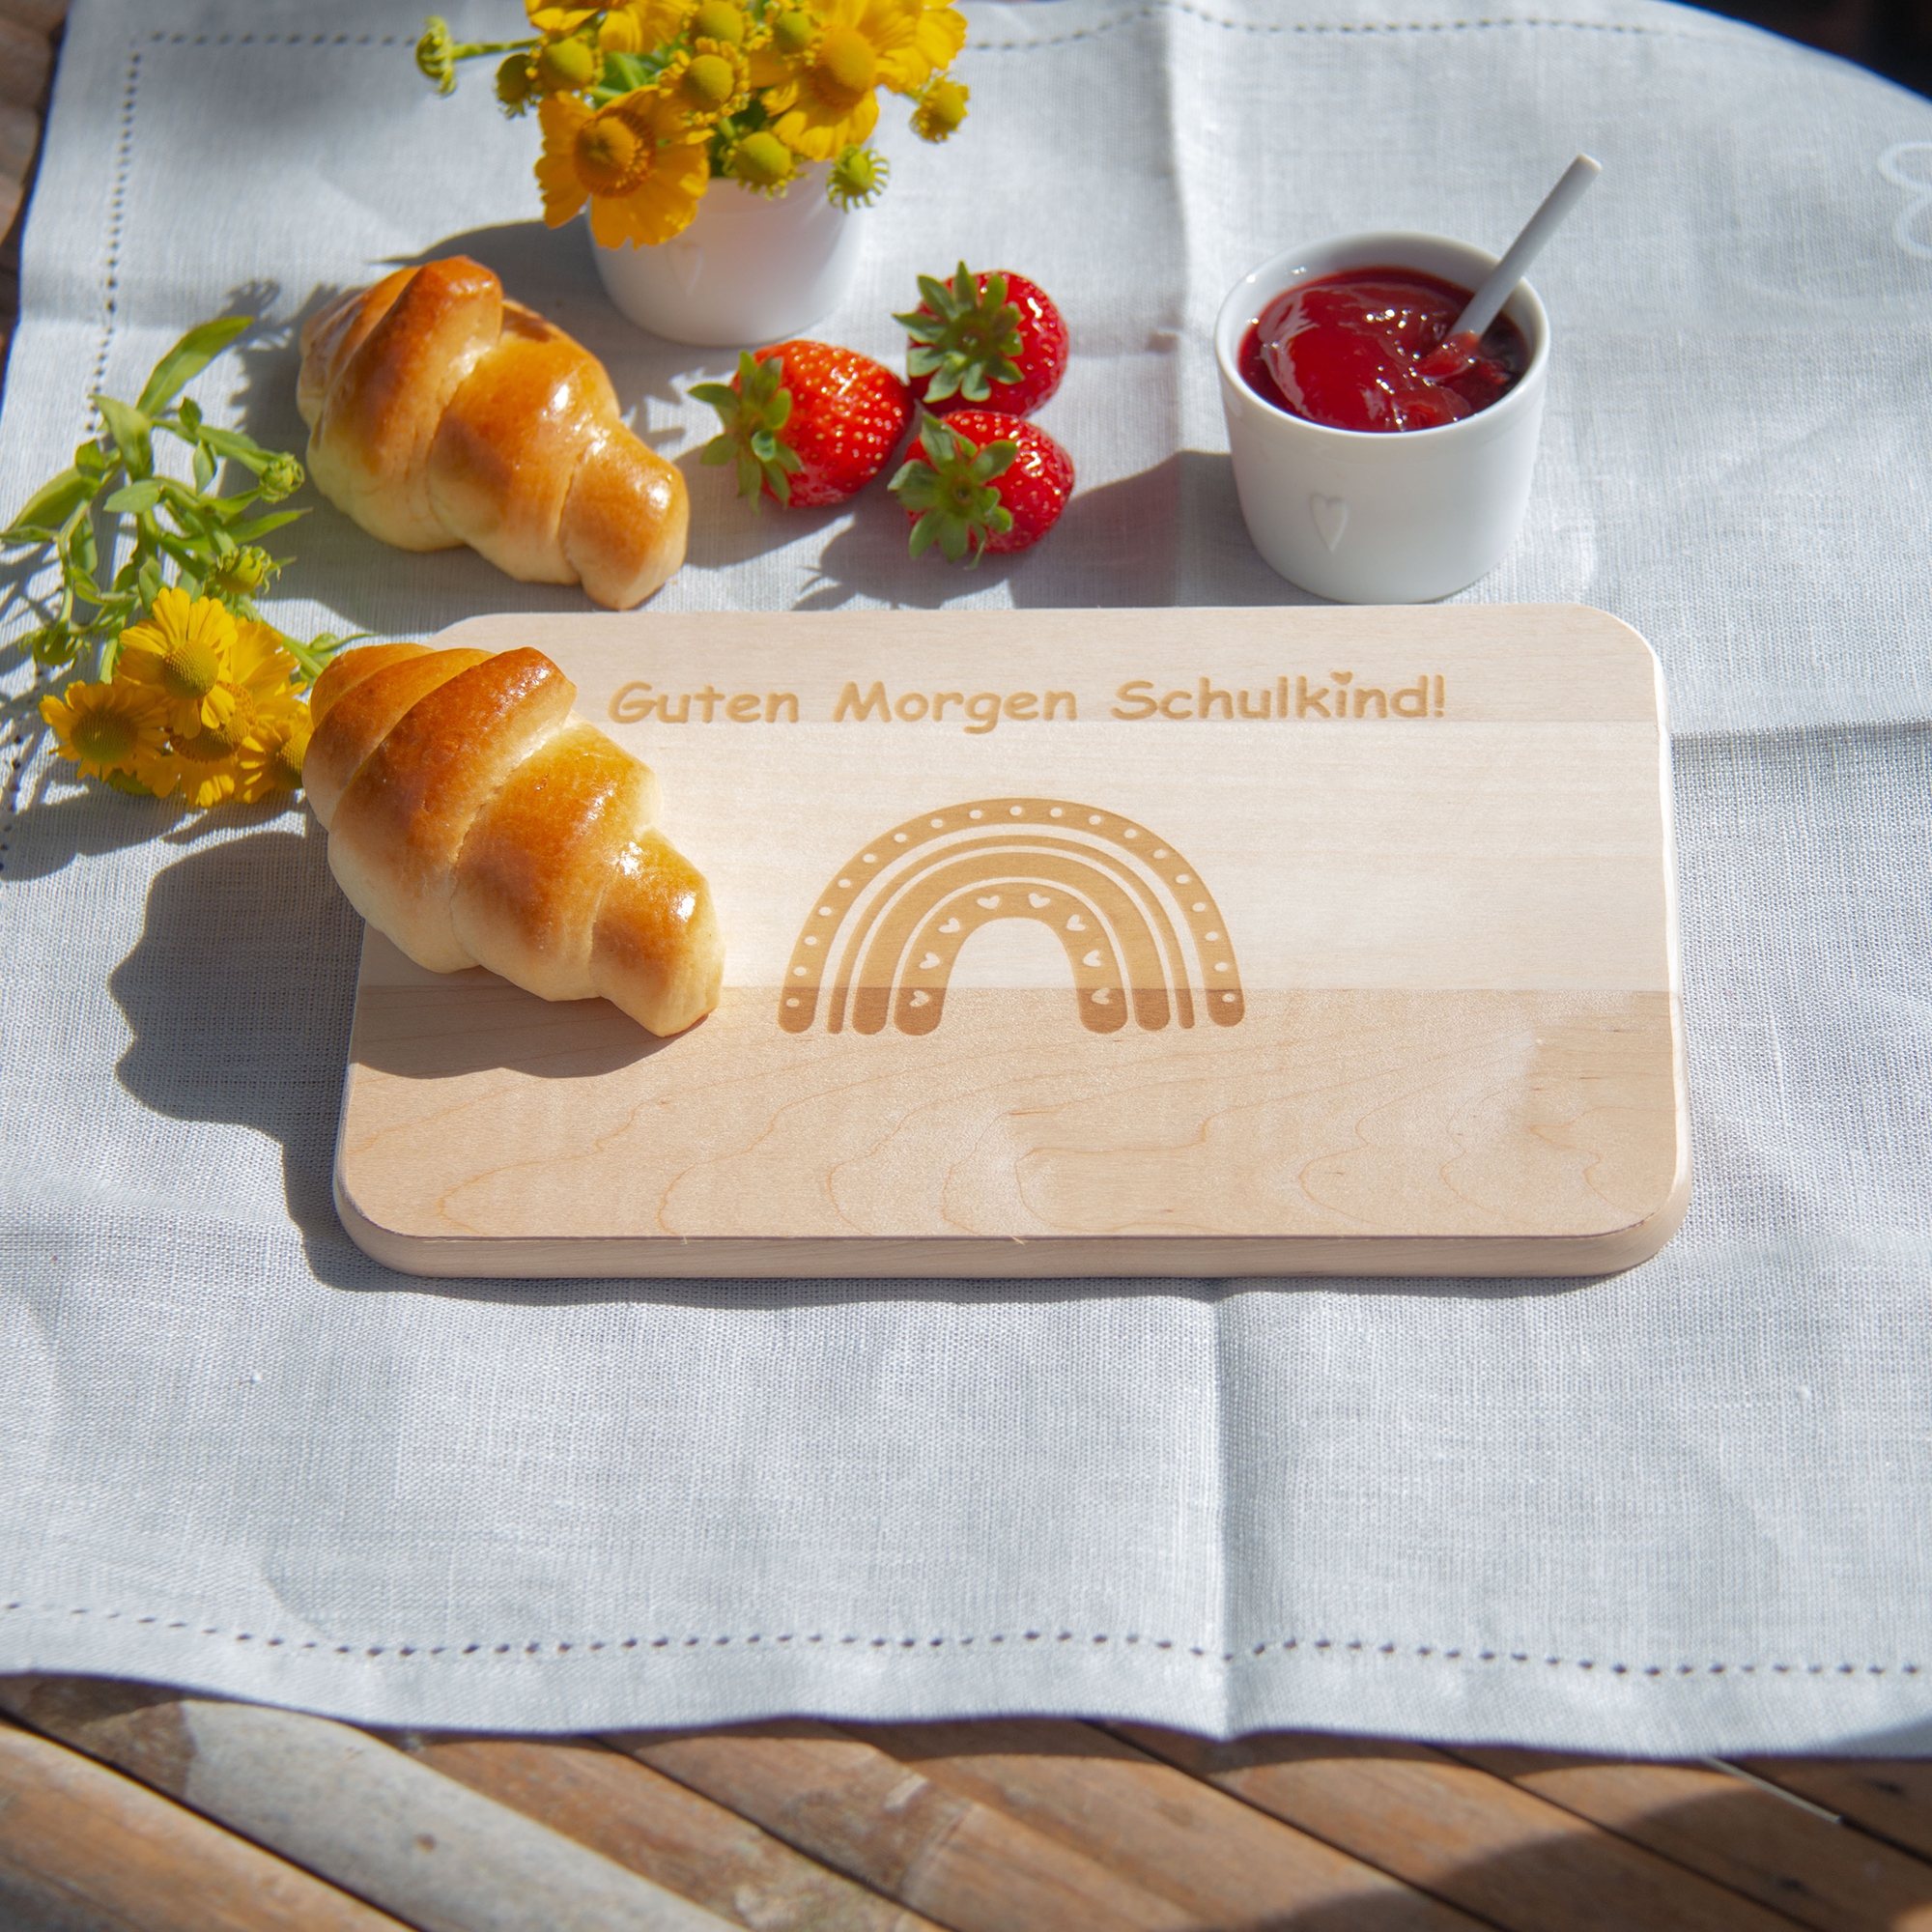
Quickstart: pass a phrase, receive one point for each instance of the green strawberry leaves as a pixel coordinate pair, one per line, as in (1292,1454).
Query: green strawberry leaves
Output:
(968,340)
(753,412)
(952,494)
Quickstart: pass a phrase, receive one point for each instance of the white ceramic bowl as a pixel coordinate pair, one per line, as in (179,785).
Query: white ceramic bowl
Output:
(1395,518)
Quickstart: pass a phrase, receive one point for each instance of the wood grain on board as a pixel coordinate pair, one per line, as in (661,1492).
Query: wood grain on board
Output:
(1161,942)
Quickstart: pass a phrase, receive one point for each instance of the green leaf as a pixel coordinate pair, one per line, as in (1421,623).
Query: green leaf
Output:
(41,516)
(130,429)
(720,449)
(255,526)
(93,462)
(142,495)
(204,466)
(240,448)
(186,360)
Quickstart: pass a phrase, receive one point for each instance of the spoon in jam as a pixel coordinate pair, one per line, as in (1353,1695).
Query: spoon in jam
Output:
(1457,349)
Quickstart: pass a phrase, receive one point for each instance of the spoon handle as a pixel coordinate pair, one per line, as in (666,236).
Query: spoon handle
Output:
(1487,301)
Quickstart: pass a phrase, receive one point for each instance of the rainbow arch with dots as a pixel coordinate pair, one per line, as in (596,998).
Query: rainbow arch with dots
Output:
(1142,935)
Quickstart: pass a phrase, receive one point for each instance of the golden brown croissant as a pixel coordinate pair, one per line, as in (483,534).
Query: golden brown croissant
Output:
(478,822)
(441,414)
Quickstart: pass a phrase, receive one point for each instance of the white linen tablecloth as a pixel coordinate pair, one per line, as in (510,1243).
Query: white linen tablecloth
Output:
(1679,1511)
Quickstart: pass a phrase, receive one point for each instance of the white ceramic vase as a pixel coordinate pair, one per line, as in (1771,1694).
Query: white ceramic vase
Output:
(748,270)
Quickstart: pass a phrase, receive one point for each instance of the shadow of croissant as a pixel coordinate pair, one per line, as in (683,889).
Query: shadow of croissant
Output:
(239,995)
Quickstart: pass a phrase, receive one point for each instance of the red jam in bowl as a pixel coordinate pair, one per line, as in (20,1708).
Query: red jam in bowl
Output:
(1354,350)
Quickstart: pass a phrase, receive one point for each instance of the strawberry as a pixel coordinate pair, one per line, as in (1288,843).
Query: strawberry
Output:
(807,423)
(982,482)
(993,341)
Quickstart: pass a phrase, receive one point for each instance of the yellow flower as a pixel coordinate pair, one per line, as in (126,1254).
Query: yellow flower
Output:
(941,109)
(205,764)
(641,25)
(270,757)
(640,169)
(260,665)
(182,651)
(557,19)
(941,32)
(827,101)
(709,82)
(106,728)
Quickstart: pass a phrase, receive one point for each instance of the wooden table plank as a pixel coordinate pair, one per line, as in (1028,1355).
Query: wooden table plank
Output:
(349,1807)
(1229,1865)
(855,1808)
(651,1825)
(1820,1874)
(1463,1834)
(83,1846)
(1891,1797)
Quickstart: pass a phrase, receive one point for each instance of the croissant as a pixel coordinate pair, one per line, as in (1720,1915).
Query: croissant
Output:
(441,414)
(476,821)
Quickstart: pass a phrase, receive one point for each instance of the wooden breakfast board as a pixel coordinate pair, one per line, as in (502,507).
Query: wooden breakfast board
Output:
(1176,942)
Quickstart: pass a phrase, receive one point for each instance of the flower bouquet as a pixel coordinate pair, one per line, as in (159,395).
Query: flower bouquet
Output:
(196,696)
(643,106)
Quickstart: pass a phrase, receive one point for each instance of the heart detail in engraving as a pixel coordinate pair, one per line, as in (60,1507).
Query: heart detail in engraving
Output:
(1331,518)
(1092,958)
(951,925)
(921,998)
(1039,900)
(1076,924)
(930,960)
(1103,996)
(990,901)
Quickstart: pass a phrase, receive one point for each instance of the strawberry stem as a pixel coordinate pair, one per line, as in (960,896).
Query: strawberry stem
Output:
(754,410)
(953,494)
(968,340)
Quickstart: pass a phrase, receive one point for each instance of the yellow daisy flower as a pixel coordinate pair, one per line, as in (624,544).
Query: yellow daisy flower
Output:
(205,765)
(557,19)
(182,652)
(709,82)
(635,161)
(269,758)
(828,102)
(643,24)
(260,665)
(106,728)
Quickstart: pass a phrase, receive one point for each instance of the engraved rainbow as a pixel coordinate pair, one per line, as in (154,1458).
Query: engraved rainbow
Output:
(1141,933)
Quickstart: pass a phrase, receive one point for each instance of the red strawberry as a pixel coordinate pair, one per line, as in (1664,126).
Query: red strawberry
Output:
(807,423)
(948,487)
(993,341)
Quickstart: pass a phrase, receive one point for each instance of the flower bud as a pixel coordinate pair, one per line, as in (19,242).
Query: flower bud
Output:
(857,178)
(281,476)
(242,572)
(793,33)
(436,57)
(515,83)
(941,109)
(568,66)
(763,161)
(718,20)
